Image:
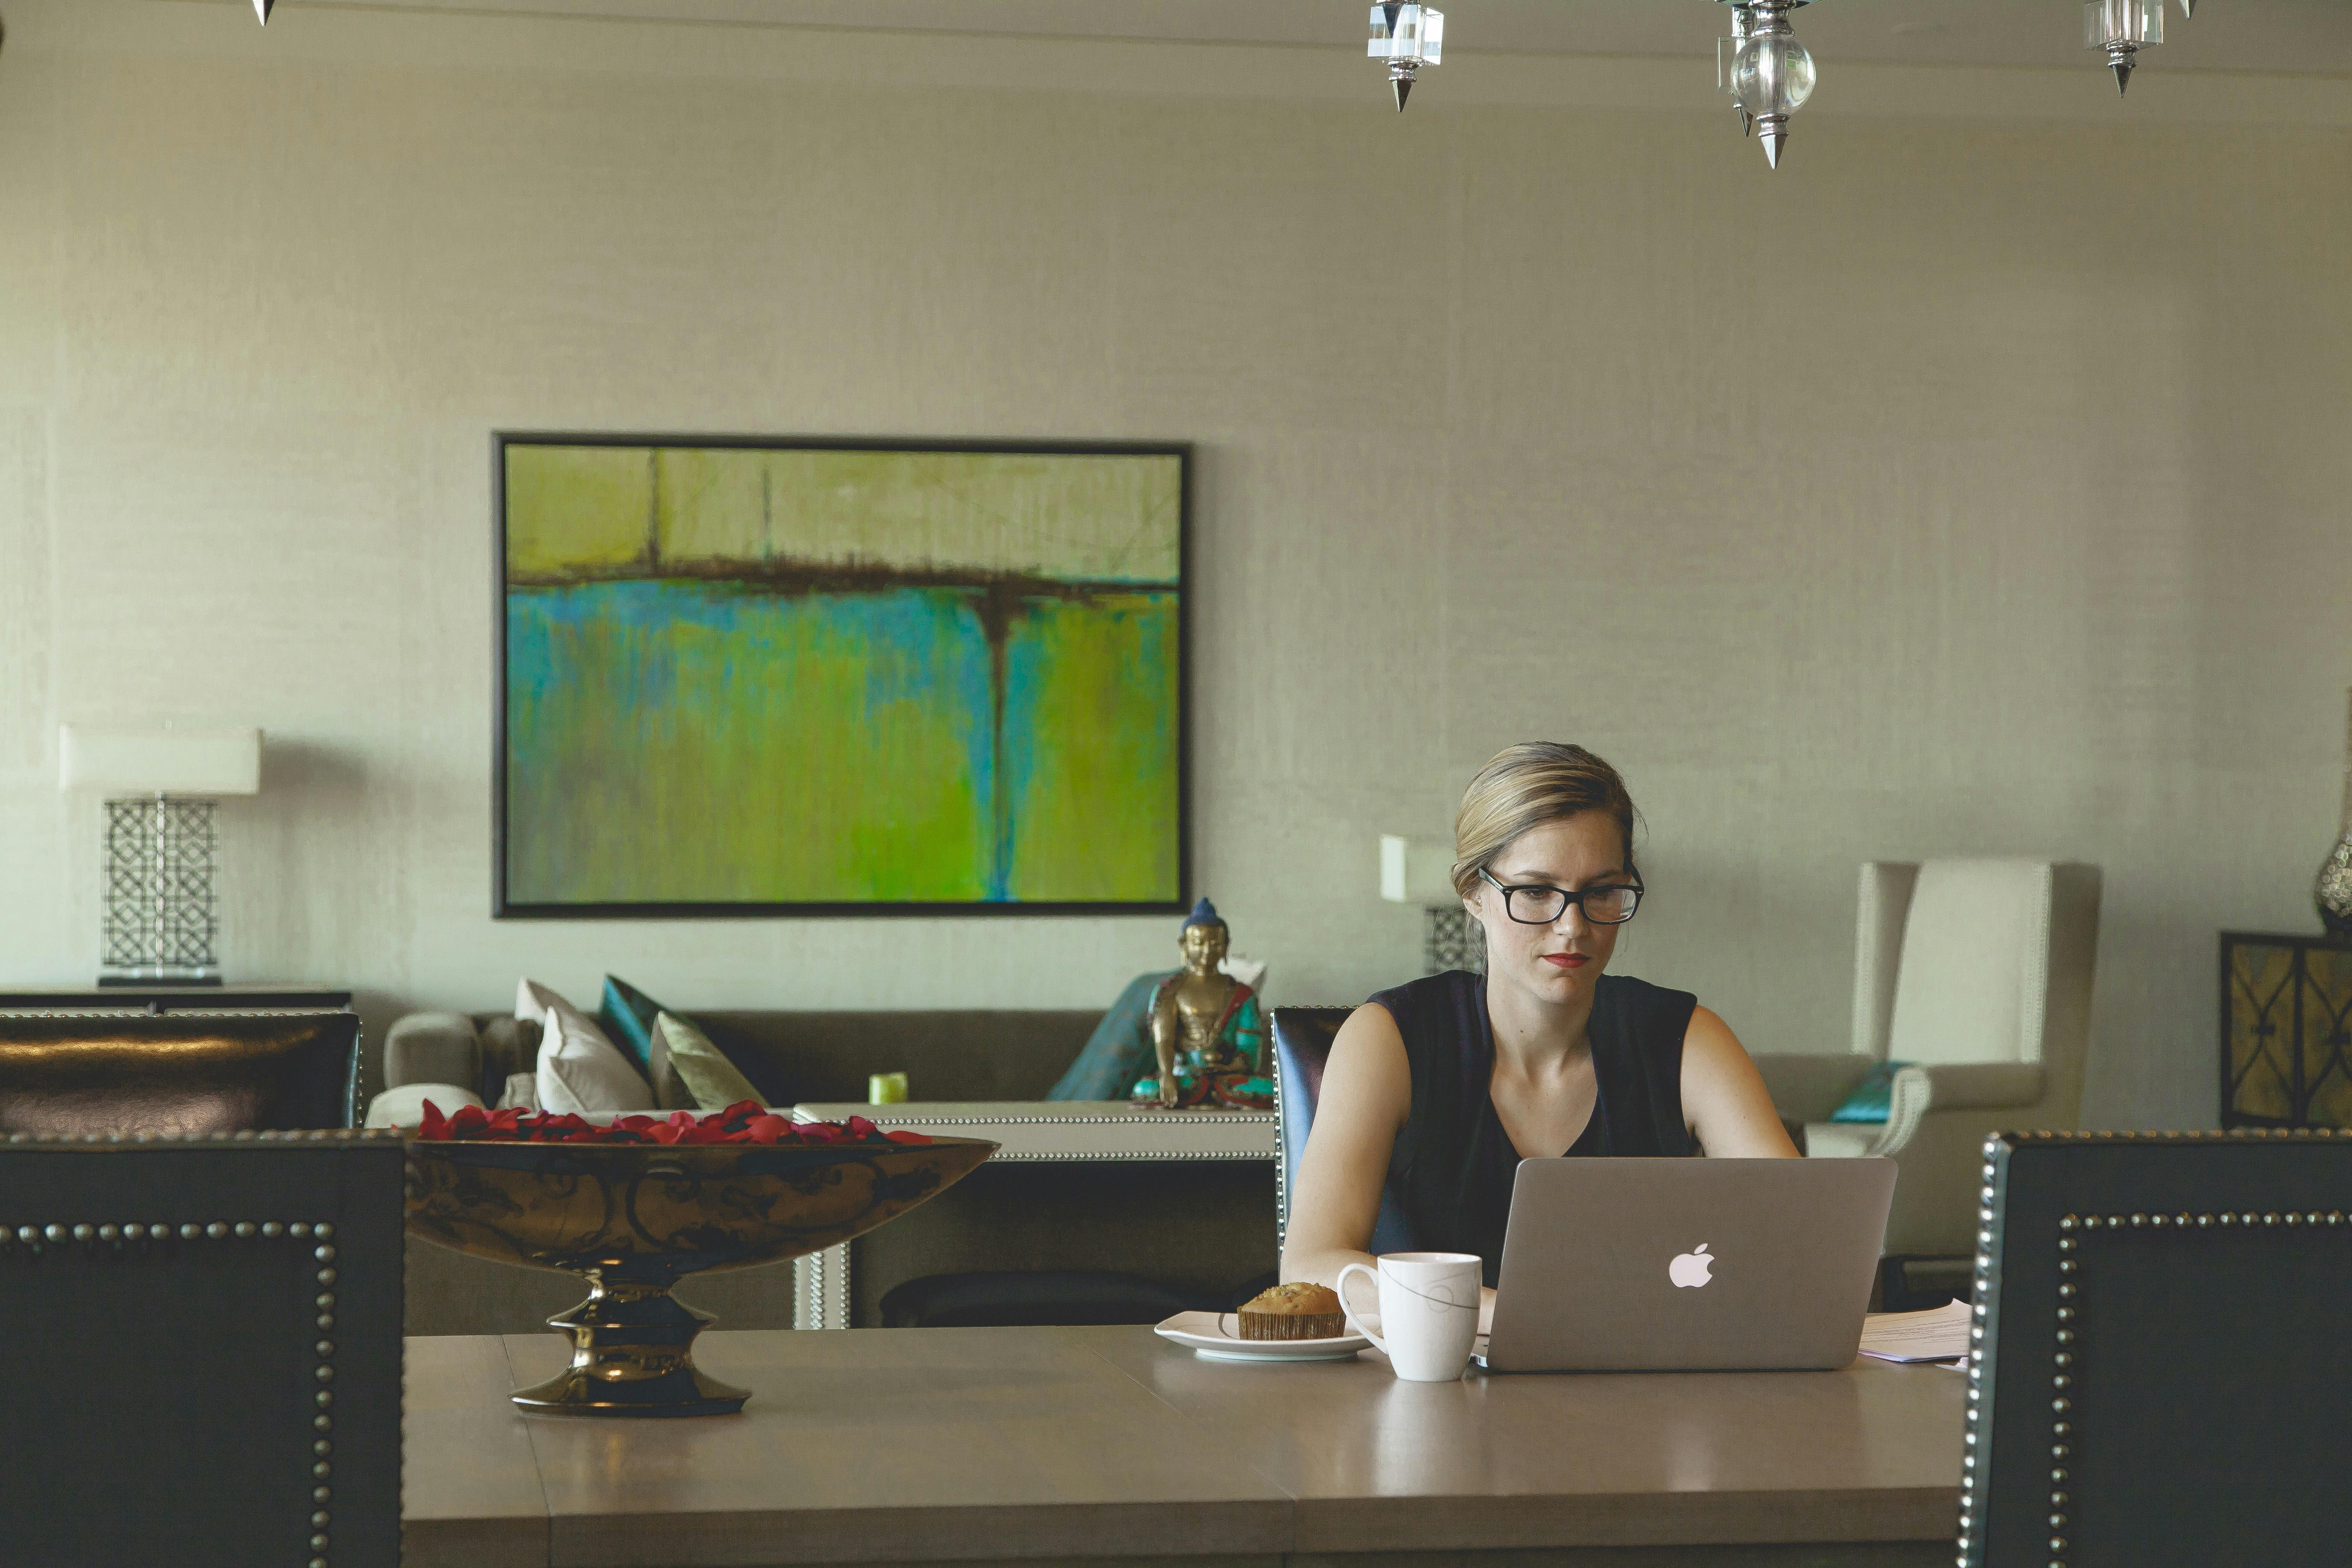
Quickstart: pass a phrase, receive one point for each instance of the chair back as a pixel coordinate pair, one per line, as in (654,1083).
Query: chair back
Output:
(203,1354)
(194,1074)
(2162,1366)
(1302,1047)
(1966,961)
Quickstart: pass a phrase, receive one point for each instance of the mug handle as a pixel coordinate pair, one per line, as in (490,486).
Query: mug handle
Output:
(1348,1313)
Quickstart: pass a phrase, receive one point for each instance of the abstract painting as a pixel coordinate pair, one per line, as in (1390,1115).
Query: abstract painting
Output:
(746,677)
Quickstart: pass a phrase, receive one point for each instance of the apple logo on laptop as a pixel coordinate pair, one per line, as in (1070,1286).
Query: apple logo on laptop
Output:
(1689,1270)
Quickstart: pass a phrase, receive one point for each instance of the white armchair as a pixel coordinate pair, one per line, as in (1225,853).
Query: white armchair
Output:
(1977,973)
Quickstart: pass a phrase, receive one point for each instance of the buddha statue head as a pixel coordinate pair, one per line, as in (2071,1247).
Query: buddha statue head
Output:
(1204,940)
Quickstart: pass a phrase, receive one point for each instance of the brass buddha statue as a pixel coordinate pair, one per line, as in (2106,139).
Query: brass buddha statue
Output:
(1207,1028)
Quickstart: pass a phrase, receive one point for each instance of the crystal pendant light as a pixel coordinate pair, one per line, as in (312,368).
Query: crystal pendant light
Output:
(1771,73)
(1726,53)
(1408,37)
(2121,27)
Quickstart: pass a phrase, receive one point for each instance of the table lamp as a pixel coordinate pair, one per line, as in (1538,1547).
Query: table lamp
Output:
(163,841)
(1420,871)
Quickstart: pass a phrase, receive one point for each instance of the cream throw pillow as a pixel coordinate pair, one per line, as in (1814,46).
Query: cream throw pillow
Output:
(702,1066)
(579,1069)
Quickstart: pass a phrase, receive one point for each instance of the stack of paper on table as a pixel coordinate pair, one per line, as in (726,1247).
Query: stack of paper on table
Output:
(1938,1334)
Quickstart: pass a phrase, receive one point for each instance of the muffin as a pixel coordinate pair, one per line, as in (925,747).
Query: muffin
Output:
(1299,1311)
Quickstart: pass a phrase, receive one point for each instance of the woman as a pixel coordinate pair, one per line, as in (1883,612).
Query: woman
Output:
(1436,1089)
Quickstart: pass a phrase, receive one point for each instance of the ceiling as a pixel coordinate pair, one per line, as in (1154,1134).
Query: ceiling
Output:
(2304,36)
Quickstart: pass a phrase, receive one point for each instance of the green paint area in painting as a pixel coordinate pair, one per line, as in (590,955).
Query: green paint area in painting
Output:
(692,741)
(1090,747)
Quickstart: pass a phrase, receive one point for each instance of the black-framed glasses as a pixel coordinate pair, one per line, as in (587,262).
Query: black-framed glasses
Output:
(1540,904)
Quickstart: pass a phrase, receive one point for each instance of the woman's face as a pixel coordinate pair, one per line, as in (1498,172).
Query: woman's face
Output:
(1559,962)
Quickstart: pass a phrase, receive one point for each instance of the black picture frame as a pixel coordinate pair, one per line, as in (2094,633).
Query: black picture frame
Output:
(504,906)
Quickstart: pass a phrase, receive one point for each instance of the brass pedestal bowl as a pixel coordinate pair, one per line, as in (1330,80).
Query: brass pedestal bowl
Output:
(633,1218)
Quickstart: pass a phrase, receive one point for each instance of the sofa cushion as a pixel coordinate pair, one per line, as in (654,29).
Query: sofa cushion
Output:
(579,1069)
(701,1066)
(433,1047)
(403,1105)
(509,1045)
(1840,1140)
(975,1054)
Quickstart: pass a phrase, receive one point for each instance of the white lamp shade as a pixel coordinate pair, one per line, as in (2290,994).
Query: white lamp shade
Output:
(159,760)
(1416,870)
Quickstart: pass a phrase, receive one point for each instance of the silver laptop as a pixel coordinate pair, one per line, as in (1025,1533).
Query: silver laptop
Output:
(1687,1265)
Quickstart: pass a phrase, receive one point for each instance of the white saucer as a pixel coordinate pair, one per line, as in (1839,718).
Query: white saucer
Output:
(1215,1336)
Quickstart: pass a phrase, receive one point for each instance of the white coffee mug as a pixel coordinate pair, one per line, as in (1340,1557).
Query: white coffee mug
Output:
(1429,1311)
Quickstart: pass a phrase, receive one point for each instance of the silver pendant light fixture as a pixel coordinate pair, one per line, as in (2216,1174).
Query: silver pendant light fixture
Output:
(262,8)
(1726,53)
(1771,73)
(2122,27)
(1408,37)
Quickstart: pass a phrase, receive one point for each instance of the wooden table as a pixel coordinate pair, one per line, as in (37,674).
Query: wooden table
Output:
(1110,1446)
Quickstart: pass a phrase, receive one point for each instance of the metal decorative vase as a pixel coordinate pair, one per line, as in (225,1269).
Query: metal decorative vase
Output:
(2332,892)
(633,1218)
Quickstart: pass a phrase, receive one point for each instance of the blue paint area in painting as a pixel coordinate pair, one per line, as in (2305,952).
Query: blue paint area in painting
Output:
(671,699)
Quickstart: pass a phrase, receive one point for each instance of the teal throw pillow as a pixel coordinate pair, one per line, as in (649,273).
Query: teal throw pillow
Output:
(627,1016)
(1871,1097)
(1119,1051)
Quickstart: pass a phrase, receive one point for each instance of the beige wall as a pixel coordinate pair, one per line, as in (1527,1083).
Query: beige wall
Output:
(1973,485)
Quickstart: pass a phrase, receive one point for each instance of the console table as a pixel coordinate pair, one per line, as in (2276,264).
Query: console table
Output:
(1033,1133)
(2286,1031)
(1100,1444)
(174,998)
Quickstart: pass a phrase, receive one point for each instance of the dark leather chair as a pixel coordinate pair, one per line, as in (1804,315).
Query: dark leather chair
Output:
(2162,1374)
(1302,1046)
(177,1075)
(203,1358)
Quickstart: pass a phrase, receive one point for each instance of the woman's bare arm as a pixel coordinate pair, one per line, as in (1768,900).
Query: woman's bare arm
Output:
(1367,1094)
(1724,1098)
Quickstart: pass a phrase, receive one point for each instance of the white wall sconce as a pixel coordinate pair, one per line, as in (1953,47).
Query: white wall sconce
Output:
(163,841)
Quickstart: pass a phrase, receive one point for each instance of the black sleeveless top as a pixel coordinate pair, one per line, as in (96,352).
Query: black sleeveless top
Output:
(1453,1165)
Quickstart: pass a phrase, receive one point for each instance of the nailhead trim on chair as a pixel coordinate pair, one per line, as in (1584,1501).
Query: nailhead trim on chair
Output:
(2068,1332)
(34,1241)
